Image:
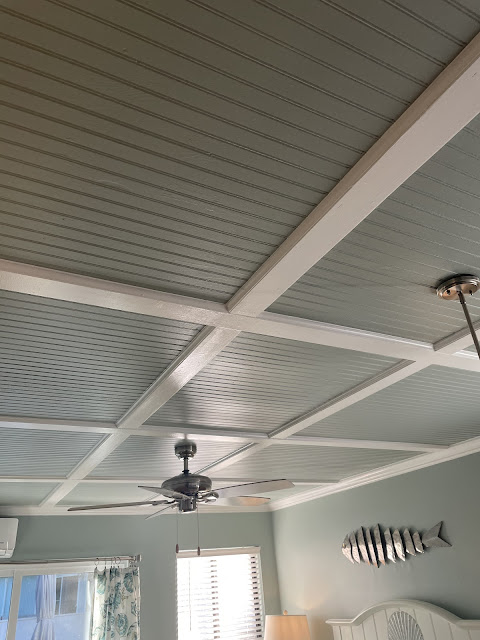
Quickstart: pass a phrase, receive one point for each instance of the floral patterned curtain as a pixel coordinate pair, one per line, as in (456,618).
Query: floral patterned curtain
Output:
(116,604)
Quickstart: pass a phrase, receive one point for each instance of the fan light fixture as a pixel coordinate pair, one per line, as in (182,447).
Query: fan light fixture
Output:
(187,490)
(455,288)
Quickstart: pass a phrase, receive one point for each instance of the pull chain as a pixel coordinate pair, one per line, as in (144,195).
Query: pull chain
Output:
(177,548)
(198,533)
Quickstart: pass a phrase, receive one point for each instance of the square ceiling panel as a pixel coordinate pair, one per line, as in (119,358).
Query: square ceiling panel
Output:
(154,458)
(435,406)
(310,463)
(176,145)
(259,383)
(104,493)
(380,277)
(67,360)
(37,453)
(24,493)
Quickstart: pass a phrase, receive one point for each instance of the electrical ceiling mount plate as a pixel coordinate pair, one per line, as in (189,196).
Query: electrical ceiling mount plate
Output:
(448,289)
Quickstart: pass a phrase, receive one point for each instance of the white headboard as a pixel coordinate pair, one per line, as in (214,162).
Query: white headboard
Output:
(405,620)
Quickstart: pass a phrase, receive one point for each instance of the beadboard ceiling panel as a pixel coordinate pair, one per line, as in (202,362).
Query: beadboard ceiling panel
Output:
(435,406)
(322,463)
(151,457)
(66,360)
(381,276)
(28,452)
(176,145)
(259,383)
(24,493)
(105,493)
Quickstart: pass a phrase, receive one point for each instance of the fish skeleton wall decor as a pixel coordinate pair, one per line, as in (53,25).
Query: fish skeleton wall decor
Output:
(373,546)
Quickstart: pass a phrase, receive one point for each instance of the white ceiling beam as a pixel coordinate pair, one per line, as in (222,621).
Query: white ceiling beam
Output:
(396,373)
(59,285)
(203,434)
(88,464)
(453,452)
(41,424)
(34,479)
(201,350)
(363,390)
(350,443)
(235,456)
(446,106)
(210,434)
(456,342)
(208,343)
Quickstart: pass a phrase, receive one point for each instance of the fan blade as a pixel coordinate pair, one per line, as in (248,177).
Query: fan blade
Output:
(119,504)
(158,513)
(241,501)
(176,495)
(253,487)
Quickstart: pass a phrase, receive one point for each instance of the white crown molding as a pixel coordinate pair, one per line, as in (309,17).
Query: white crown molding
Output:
(415,463)
(10,511)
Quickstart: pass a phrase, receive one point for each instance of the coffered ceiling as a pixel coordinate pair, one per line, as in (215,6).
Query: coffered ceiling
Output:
(225,221)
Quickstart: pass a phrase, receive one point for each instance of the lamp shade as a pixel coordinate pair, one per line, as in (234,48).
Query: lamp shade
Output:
(286,628)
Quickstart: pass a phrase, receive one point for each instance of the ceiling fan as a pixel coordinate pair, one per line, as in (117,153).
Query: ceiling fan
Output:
(188,490)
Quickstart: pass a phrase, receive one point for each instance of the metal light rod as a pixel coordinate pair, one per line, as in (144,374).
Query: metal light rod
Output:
(132,559)
(455,288)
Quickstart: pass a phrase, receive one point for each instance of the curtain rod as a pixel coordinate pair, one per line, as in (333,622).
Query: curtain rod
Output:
(137,558)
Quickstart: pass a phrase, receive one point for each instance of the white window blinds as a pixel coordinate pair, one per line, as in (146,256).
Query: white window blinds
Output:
(219,595)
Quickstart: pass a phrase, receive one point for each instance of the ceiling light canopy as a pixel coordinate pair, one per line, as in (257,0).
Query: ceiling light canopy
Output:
(455,288)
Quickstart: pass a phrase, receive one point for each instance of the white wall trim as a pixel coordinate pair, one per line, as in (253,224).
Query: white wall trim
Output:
(145,512)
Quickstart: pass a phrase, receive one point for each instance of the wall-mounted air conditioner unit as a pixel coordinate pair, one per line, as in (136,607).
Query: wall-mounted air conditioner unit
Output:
(8,536)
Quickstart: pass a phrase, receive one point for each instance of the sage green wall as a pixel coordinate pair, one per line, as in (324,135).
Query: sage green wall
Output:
(44,537)
(315,578)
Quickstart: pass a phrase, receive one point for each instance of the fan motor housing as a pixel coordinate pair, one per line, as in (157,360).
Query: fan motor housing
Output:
(190,484)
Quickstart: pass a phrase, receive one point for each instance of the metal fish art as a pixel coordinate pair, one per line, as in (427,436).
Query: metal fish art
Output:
(355,551)
(362,546)
(398,543)
(372,546)
(379,544)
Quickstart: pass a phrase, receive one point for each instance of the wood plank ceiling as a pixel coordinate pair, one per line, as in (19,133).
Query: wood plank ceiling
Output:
(224,220)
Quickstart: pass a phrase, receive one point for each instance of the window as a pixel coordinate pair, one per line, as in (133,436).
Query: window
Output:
(219,595)
(72,615)
(70,601)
